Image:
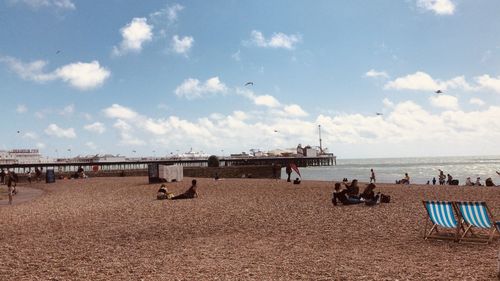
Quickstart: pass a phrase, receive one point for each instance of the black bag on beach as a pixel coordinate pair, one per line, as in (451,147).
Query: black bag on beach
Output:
(385,198)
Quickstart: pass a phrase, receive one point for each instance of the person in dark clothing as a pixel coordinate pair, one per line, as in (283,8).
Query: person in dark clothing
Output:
(434,181)
(352,188)
(450,179)
(343,197)
(489,182)
(368,194)
(2,176)
(189,194)
(288,172)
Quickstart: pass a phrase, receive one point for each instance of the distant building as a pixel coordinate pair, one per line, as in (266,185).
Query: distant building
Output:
(22,156)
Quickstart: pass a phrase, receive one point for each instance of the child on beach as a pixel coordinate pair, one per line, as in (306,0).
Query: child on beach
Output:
(352,188)
(163,193)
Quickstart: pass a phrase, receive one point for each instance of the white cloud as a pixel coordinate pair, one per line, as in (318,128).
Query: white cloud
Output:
(490,83)
(40,145)
(277,40)
(444,101)
(376,74)
(266,100)
(126,134)
(21,108)
(96,127)
(421,81)
(30,135)
(134,35)
(68,110)
(83,76)
(476,101)
(182,45)
(170,13)
(294,110)
(121,112)
(54,130)
(439,7)
(80,75)
(387,103)
(192,88)
(59,4)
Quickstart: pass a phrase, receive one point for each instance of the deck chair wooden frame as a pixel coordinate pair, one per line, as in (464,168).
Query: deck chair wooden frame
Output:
(477,217)
(435,211)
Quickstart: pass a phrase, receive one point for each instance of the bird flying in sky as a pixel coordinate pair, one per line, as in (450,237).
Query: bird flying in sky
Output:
(378,113)
(248,83)
(439,92)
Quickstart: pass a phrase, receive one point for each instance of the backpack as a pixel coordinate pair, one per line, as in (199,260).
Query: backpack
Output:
(385,198)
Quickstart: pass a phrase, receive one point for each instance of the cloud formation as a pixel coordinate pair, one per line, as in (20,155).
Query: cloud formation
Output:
(277,40)
(21,108)
(59,4)
(181,45)
(134,35)
(439,7)
(376,74)
(96,127)
(80,75)
(192,88)
(56,131)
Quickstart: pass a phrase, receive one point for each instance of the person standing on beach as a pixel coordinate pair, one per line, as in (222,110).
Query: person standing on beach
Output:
(288,172)
(8,182)
(2,176)
(372,177)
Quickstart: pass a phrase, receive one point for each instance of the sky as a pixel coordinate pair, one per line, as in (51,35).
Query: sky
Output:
(155,78)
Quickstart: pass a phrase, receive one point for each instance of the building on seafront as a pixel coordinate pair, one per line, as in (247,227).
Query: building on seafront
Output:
(22,156)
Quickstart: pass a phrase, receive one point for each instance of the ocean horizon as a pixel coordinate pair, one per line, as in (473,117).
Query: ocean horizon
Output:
(420,169)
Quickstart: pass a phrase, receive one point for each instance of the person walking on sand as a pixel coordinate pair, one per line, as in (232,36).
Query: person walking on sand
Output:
(372,176)
(189,194)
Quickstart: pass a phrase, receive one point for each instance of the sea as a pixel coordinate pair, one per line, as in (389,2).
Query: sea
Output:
(420,169)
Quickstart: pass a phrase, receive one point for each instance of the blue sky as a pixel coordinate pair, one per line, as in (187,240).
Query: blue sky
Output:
(165,76)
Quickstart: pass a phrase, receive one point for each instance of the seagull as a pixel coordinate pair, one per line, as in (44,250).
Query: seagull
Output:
(58,51)
(248,83)
(439,92)
(275,131)
(18,132)
(378,113)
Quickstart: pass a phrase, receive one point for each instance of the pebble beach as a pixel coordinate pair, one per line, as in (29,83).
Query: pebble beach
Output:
(237,229)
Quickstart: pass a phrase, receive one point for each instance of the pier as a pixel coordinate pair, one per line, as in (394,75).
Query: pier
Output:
(68,167)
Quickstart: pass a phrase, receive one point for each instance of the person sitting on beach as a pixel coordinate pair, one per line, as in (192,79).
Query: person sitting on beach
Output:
(441,177)
(478,182)
(162,193)
(189,194)
(342,196)
(352,188)
(296,181)
(468,182)
(368,194)
(405,180)
(489,182)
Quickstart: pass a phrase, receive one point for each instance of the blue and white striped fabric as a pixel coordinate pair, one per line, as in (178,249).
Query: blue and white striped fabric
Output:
(475,214)
(441,213)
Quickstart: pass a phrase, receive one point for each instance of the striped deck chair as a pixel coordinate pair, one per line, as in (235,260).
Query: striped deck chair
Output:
(442,216)
(477,216)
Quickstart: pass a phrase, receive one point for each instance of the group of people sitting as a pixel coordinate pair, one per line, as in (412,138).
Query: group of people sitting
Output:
(350,194)
(188,194)
(487,182)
